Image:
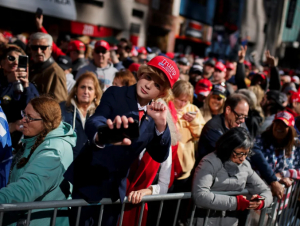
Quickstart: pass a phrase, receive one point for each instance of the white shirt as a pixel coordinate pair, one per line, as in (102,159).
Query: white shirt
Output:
(163,176)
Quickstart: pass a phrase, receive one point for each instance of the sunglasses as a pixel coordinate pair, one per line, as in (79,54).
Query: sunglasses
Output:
(36,47)
(103,51)
(11,58)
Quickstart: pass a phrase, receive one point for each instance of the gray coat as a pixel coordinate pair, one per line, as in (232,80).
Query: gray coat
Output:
(212,175)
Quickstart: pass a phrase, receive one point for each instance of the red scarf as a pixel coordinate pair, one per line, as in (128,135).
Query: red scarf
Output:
(176,170)
(141,176)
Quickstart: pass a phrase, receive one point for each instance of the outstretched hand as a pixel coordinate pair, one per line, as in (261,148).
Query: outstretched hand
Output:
(39,22)
(271,61)
(242,54)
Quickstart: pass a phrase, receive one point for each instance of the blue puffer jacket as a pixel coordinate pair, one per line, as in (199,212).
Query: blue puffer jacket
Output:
(71,115)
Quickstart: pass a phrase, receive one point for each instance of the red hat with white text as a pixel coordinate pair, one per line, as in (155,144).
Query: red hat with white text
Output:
(286,117)
(167,66)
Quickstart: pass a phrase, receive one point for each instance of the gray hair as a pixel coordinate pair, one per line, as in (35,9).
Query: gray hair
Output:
(41,35)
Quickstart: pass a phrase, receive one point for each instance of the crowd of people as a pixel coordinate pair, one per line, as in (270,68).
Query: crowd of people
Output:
(68,124)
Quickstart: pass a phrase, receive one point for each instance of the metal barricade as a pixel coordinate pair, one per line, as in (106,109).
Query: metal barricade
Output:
(283,218)
(283,212)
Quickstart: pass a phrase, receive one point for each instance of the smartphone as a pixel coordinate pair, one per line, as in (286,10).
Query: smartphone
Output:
(23,62)
(110,136)
(258,198)
(192,112)
(39,12)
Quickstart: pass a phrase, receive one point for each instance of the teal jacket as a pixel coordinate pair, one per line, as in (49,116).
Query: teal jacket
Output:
(41,179)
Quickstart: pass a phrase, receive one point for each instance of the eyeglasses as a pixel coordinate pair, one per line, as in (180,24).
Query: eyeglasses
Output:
(36,47)
(28,118)
(103,51)
(239,155)
(11,58)
(239,116)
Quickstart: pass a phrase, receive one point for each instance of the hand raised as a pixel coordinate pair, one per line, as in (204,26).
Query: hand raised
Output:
(242,54)
(158,111)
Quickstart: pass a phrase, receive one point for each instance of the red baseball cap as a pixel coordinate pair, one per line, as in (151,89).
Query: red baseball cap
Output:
(220,66)
(203,87)
(134,67)
(286,117)
(229,66)
(7,35)
(76,45)
(103,44)
(295,97)
(248,64)
(142,50)
(170,55)
(167,66)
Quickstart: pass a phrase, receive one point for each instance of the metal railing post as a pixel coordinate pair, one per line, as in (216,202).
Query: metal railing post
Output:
(54,216)
(141,214)
(78,216)
(159,212)
(176,213)
(206,217)
(100,215)
(262,217)
(28,217)
(122,213)
(192,215)
(1,218)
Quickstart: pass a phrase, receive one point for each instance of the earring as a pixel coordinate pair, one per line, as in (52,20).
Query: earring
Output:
(75,97)
(95,99)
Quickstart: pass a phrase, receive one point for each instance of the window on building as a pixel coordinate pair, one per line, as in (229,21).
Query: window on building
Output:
(92,2)
(137,13)
(135,28)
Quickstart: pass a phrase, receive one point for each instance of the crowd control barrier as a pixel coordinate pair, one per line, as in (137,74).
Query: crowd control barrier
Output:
(276,214)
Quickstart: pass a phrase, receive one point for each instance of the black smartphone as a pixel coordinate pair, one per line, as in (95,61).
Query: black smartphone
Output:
(110,136)
(39,12)
(258,199)
(23,62)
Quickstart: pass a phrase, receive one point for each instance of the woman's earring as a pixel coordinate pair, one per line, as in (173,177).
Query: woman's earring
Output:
(75,97)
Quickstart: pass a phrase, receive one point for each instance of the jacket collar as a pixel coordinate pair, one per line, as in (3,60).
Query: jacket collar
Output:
(44,65)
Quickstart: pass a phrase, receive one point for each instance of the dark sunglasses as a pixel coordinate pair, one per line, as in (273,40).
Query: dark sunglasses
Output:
(36,47)
(103,51)
(11,58)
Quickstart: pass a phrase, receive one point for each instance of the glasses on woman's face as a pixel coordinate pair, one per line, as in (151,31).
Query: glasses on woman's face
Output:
(239,116)
(28,118)
(241,154)
(11,58)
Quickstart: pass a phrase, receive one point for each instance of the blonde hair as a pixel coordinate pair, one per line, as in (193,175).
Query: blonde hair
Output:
(259,93)
(98,91)
(206,112)
(185,88)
